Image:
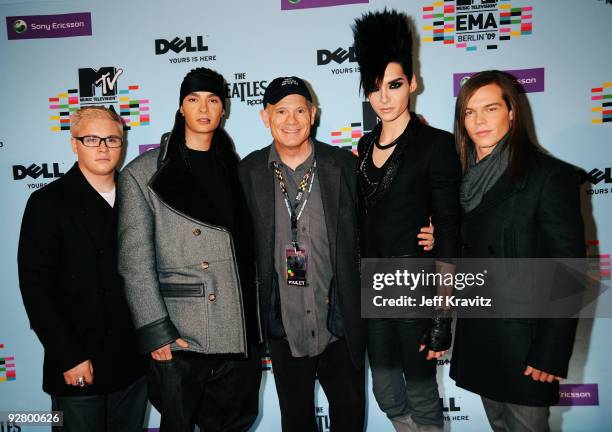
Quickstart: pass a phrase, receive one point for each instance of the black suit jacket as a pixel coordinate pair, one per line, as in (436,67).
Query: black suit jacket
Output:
(336,174)
(537,216)
(421,180)
(71,289)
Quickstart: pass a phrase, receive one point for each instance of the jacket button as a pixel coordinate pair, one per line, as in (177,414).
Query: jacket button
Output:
(465,246)
(326,299)
(212,297)
(197,232)
(204,265)
(491,250)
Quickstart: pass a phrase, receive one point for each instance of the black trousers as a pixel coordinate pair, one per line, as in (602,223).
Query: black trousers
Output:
(218,393)
(343,384)
(120,411)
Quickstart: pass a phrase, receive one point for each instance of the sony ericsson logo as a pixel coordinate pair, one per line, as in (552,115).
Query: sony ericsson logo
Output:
(527,80)
(339,55)
(177,45)
(20,26)
(35,171)
(48,26)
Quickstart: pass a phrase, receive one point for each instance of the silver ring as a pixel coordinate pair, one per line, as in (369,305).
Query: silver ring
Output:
(81,381)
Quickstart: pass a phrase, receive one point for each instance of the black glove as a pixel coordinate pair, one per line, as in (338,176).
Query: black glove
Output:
(439,336)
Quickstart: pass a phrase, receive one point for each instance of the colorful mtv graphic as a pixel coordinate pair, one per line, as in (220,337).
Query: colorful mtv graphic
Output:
(602,97)
(266,362)
(100,87)
(7,367)
(599,263)
(347,137)
(473,24)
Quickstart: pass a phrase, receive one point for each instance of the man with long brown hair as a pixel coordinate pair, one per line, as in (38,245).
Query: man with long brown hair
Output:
(518,202)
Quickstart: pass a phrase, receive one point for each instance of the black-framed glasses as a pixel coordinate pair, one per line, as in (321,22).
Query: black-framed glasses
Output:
(111,141)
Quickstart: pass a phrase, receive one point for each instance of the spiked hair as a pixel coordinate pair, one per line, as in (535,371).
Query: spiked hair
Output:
(381,38)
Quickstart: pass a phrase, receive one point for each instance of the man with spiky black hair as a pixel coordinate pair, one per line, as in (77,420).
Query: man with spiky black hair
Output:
(408,172)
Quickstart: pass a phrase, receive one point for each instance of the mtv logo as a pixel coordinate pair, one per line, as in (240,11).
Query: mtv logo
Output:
(105,79)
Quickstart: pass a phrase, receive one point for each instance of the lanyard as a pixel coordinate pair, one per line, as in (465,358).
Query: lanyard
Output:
(294,215)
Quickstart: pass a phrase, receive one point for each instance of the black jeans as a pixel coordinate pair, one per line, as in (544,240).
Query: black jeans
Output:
(403,381)
(343,384)
(120,411)
(219,393)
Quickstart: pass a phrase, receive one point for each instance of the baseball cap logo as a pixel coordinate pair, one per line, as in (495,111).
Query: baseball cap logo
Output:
(289,81)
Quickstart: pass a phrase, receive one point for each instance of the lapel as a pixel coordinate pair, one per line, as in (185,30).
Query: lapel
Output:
(262,185)
(94,213)
(503,189)
(330,176)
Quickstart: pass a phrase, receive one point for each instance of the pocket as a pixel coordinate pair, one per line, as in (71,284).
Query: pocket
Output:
(186,308)
(182,290)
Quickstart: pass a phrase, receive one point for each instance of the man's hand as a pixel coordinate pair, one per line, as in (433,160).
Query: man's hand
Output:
(426,237)
(164,353)
(433,354)
(84,370)
(538,375)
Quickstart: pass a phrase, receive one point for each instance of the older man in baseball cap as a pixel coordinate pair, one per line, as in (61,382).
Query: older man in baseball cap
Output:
(301,193)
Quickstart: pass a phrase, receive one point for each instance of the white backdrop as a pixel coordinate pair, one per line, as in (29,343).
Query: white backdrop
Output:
(140,50)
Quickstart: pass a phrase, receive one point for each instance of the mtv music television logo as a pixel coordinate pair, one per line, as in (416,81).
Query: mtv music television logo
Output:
(474,24)
(100,86)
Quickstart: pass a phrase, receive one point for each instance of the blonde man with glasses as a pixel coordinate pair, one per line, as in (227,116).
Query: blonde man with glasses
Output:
(71,289)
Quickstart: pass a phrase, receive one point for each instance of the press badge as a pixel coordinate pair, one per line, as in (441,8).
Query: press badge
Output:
(297,266)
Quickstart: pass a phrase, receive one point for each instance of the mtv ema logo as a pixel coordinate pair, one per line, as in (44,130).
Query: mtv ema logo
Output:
(471,24)
(602,95)
(7,368)
(100,87)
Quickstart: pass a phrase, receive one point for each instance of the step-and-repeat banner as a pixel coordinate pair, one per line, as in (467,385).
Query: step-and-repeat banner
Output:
(131,56)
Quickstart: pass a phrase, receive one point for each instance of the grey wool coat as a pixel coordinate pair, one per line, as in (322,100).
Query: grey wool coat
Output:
(181,274)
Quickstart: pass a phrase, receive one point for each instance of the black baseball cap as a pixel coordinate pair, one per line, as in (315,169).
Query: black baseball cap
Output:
(285,86)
